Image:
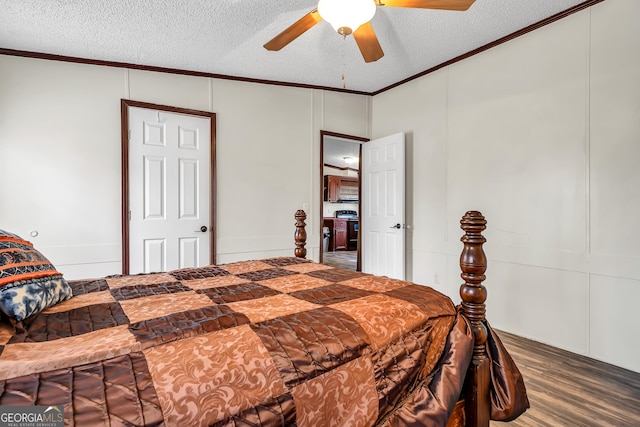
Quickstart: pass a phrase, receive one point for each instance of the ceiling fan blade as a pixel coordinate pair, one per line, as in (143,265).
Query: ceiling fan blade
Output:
(294,31)
(368,43)
(429,4)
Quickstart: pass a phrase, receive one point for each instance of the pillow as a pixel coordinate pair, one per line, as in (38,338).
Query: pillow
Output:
(29,283)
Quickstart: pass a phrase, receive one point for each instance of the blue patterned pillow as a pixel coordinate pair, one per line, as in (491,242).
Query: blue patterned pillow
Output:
(29,283)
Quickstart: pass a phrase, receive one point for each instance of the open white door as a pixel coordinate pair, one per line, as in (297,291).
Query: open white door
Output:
(382,216)
(169,191)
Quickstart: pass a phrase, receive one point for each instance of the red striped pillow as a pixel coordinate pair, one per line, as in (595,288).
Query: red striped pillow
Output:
(20,261)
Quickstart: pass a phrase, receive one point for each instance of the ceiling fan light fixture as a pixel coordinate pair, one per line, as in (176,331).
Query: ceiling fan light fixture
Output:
(350,160)
(345,16)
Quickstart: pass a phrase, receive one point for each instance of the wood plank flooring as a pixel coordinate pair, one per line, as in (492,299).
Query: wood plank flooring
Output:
(566,389)
(343,259)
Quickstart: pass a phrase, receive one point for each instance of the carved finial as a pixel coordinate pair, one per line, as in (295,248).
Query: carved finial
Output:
(300,234)
(473,263)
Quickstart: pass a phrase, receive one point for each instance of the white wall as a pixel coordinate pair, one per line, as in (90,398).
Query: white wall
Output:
(60,154)
(60,148)
(541,135)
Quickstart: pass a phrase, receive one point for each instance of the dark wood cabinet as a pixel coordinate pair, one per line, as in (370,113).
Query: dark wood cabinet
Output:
(331,188)
(341,188)
(339,233)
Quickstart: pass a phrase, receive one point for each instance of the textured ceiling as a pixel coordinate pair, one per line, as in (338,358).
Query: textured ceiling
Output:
(226,37)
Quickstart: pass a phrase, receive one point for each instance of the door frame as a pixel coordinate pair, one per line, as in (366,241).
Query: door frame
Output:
(324,133)
(124,122)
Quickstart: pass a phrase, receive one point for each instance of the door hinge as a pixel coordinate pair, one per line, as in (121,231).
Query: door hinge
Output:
(129,215)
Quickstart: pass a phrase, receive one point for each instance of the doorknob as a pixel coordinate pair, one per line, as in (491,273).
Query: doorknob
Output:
(204,228)
(398,226)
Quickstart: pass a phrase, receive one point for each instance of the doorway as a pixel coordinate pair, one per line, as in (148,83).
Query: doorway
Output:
(168,187)
(340,200)
(383,217)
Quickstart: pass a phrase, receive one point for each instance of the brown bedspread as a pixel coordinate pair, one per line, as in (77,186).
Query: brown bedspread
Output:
(281,341)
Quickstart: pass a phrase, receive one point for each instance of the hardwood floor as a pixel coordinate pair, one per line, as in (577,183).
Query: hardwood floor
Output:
(342,259)
(566,389)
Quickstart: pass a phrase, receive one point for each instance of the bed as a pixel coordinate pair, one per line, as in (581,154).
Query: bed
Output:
(279,341)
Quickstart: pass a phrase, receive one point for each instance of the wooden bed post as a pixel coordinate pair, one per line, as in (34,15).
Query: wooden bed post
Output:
(473,263)
(300,234)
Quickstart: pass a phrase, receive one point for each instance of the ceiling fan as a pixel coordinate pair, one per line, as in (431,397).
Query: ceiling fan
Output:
(352,17)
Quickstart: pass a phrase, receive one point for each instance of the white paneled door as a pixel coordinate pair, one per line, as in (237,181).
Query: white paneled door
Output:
(169,192)
(383,226)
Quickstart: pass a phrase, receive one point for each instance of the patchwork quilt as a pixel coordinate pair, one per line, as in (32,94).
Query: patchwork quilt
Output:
(281,341)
